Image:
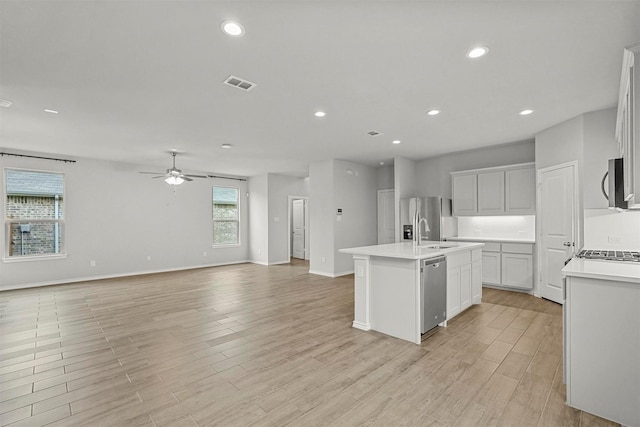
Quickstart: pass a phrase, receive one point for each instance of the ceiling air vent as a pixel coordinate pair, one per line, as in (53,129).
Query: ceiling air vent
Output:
(374,133)
(239,83)
(5,103)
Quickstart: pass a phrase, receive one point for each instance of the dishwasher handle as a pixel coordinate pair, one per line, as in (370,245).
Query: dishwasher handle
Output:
(434,262)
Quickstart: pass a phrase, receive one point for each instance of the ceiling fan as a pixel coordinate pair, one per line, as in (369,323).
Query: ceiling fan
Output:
(174,176)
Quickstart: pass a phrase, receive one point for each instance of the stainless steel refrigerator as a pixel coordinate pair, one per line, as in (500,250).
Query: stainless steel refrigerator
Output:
(429,213)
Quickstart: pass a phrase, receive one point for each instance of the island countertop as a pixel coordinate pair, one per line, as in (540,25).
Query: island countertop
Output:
(411,250)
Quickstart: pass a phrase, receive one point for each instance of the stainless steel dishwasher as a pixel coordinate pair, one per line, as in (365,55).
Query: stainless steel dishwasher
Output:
(433,292)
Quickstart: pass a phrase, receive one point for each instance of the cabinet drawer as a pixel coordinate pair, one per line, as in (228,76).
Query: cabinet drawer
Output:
(517,248)
(491,247)
(456,260)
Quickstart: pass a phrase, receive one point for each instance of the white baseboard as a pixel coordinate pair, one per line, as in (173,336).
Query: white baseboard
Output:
(361,326)
(114,276)
(332,275)
(288,261)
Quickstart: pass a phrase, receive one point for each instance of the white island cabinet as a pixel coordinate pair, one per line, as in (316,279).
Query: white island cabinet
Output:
(602,338)
(387,284)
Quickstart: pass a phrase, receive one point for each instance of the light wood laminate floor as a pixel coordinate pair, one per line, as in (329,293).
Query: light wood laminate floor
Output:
(269,346)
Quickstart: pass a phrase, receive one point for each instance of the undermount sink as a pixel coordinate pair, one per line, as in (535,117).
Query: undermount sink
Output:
(439,246)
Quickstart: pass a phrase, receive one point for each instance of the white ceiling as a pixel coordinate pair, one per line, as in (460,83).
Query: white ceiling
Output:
(134,79)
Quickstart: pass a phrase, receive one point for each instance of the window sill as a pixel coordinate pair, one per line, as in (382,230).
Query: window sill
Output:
(28,258)
(233,245)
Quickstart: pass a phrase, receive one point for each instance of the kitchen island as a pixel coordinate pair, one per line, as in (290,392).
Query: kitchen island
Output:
(387,292)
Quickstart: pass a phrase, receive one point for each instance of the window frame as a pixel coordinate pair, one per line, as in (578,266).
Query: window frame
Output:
(237,220)
(6,258)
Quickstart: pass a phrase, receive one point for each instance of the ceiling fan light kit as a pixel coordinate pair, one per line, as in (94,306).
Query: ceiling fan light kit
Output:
(173,175)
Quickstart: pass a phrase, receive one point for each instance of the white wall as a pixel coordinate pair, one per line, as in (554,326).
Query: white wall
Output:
(357,195)
(432,174)
(258,219)
(118,217)
(280,187)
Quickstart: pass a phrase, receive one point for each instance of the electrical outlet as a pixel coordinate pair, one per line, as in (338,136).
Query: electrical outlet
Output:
(148,257)
(204,253)
(615,239)
(324,260)
(93,263)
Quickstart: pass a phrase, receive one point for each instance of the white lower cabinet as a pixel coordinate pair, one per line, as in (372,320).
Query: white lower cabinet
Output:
(517,270)
(508,264)
(491,269)
(464,281)
(602,347)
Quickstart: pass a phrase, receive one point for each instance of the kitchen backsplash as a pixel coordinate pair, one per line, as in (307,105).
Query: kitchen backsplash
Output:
(612,230)
(505,227)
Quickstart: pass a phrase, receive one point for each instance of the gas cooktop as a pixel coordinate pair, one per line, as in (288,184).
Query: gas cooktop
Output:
(630,256)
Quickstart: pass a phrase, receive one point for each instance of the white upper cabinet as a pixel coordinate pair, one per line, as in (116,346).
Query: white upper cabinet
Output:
(520,190)
(465,190)
(491,193)
(627,127)
(507,190)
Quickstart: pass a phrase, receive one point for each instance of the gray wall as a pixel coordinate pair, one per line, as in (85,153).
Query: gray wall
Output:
(588,139)
(357,195)
(118,217)
(258,219)
(280,187)
(321,216)
(384,178)
(432,174)
(352,187)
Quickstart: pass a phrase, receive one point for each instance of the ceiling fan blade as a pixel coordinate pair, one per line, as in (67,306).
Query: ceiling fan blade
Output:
(186,178)
(159,176)
(195,176)
(153,173)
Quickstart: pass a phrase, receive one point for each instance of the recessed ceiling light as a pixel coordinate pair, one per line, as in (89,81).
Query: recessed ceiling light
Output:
(433,112)
(51,111)
(381,163)
(477,52)
(226,145)
(319,114)
(5,103)
(525,112)
(397,141)
(232,28)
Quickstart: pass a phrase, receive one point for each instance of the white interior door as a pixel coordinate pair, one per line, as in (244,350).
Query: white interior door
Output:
(557,213)
(386,217)
(298,225)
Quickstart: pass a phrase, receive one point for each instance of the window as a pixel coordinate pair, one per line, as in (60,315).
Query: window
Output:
(226,216)
(34,213)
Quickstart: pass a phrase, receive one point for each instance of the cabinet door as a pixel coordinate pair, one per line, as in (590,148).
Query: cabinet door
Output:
(453,292)
(491,268)
(491,193)
(520,185)
(465,287)
(517,271)
(465,194)
(476,282)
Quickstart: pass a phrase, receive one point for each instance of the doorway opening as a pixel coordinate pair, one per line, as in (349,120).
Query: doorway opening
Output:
(298,228)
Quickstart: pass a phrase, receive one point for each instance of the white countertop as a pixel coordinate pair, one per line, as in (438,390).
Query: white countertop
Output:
(606,270)
(491,239)
(409,250)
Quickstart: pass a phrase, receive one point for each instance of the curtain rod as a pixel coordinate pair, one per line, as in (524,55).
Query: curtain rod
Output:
(226,177)
(37,157)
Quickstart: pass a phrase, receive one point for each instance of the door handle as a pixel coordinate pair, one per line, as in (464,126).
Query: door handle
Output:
(568,244)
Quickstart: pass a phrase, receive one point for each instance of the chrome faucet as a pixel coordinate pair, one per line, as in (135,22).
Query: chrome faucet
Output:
(419,231)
